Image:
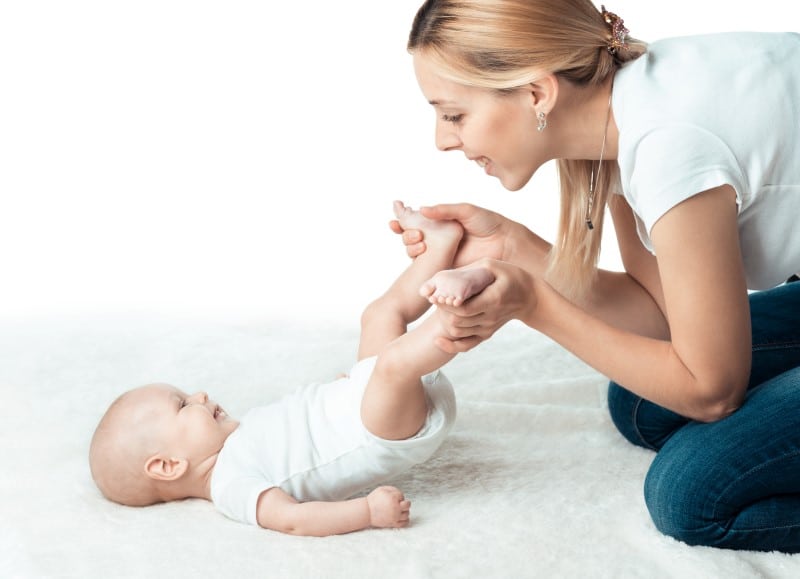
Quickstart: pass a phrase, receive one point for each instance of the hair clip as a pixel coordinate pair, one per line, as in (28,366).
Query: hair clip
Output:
(618,31)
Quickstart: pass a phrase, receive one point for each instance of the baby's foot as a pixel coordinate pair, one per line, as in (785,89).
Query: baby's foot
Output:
(453,287)
(439,235)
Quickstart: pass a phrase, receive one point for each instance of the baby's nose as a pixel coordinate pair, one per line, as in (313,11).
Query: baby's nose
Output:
(199,397)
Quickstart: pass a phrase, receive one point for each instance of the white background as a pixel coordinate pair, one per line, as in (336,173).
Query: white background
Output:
(237,157)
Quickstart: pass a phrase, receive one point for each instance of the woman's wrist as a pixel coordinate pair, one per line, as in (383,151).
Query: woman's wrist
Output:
(526,249)
(544,303)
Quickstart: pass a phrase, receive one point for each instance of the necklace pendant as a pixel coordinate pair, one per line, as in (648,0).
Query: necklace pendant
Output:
(589,224)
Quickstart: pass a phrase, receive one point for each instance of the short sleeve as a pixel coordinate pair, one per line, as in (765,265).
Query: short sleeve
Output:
(238,499)
(672,164)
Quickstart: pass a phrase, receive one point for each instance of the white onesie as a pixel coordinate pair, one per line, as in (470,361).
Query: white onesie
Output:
(313,445)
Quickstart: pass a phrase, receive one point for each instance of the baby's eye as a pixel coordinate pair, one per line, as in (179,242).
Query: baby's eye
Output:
(455,119)
(182,404)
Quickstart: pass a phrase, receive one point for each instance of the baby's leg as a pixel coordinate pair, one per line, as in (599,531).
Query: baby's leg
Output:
(387,317)
(394,405)
(455,286)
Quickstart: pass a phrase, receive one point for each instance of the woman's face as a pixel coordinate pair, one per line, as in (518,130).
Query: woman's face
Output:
(497,131)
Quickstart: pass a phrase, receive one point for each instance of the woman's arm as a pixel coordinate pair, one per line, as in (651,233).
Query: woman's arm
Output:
(383,507)
(705,297)
(639,263)
(616,297)
(700,372)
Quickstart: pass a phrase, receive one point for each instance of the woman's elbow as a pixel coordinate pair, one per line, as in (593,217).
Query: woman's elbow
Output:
(714,412)
(720,401)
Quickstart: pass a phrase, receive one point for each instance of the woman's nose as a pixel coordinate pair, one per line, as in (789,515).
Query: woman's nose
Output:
(446,138)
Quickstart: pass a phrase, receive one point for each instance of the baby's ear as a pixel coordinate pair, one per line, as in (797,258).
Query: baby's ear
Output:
(159,467)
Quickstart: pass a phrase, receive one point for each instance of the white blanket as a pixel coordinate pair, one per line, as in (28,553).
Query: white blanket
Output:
(533,482)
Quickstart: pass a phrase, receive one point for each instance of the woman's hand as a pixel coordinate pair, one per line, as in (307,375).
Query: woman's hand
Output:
(485,232)
(511,296)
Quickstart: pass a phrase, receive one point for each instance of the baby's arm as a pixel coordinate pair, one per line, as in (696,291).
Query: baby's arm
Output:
(383,507)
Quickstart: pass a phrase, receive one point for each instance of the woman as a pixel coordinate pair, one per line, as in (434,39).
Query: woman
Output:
(693,145)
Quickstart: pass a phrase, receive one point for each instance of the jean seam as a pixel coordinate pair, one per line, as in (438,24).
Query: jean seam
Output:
(761,466)
(635,422)
(775,346)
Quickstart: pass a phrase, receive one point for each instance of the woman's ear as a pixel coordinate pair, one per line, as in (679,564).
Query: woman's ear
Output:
(162,468)
(544,93)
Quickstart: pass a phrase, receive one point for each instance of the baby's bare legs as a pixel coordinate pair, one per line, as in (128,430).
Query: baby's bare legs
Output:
(455,286)
(388,317)
(394,404)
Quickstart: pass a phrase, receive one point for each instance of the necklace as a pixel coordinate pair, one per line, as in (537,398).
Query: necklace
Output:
(593,180)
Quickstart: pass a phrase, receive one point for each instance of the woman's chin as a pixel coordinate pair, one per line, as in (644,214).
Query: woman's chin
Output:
(511,184)
(514,181)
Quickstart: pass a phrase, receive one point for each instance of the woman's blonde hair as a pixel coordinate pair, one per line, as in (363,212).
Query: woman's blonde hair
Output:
(505,44)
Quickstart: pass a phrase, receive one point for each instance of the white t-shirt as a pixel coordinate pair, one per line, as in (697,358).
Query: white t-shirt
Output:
(313,445)
(699,112)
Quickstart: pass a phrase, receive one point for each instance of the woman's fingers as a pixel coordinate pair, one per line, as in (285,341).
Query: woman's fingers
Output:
(457,211)
(510,296)
(394,225)
(412,238)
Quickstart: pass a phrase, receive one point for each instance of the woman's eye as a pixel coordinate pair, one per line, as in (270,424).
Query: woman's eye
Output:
(182,404)
(455,119)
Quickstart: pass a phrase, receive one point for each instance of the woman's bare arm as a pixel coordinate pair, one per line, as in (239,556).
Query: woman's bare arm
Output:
(702,370)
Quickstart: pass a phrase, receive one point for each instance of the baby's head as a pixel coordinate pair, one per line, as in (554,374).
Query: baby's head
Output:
(154,442)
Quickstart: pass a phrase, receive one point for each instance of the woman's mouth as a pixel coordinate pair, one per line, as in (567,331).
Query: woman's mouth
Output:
(485,164)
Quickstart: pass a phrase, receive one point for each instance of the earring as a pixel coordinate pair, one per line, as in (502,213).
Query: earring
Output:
(542,122)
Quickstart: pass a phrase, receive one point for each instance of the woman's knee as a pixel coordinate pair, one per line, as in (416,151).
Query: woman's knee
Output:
(675,498)
(733,483)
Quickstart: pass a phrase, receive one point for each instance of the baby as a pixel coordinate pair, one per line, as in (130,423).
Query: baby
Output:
(292,465)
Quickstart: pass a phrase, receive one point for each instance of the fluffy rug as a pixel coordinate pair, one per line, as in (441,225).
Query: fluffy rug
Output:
(533,482)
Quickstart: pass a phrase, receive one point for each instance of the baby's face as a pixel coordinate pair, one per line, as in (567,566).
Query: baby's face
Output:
(192,427)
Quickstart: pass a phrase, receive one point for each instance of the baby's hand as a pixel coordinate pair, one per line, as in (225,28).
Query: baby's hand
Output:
(388,507)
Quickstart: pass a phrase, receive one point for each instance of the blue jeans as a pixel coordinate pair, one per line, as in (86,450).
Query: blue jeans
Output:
(734,483)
